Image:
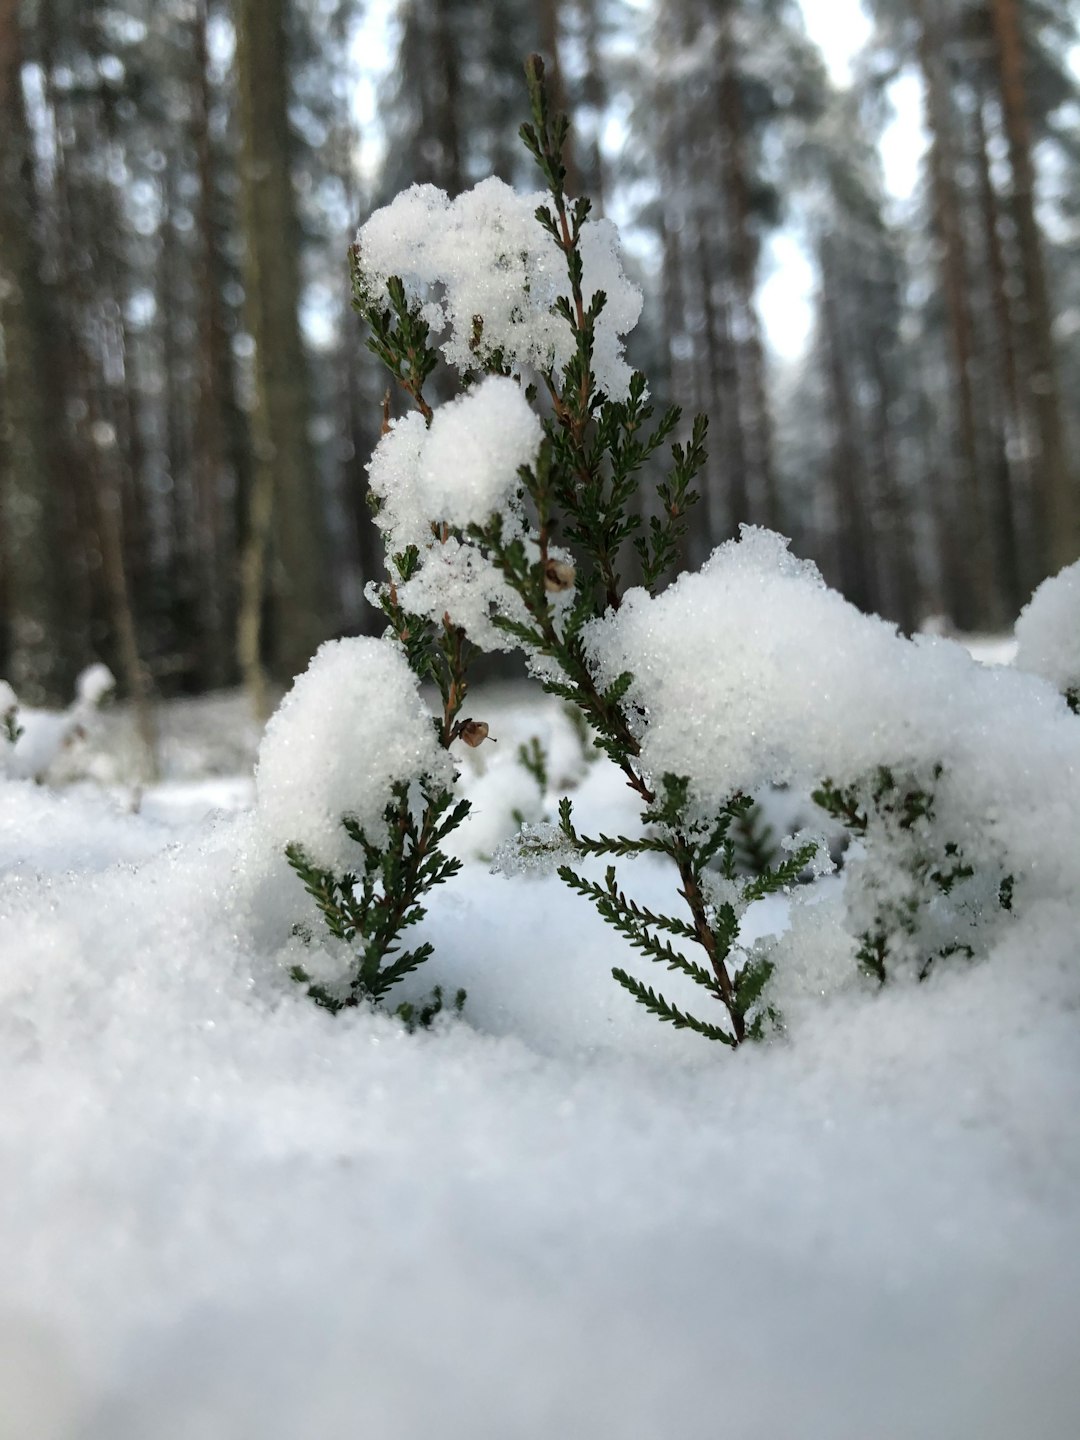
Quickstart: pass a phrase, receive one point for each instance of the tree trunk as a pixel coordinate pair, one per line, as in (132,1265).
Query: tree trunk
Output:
(33,451)
(1060,505)
(982,606)
(286,506)
(215,393)
(755,410)
(1007,527)
(854,550)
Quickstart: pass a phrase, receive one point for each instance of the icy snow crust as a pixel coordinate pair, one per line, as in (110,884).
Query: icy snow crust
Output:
(352,726)
(230,1214)
(1048,631)
(485,253)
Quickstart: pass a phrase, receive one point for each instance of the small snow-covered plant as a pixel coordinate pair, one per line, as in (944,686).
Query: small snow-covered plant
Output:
(548,443)
(1048,634)
(10,729)
(356,788)
(916,899)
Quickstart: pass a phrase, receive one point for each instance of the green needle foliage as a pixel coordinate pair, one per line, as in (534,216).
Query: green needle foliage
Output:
(583,492)
(368,910)
(941,902)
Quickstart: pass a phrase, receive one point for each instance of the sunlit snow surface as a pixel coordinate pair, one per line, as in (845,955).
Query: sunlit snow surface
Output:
(227,1214)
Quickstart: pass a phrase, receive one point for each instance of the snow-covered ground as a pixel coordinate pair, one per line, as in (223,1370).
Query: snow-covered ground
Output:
(226,1214)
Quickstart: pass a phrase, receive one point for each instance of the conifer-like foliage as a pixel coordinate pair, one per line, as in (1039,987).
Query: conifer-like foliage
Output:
(583,492)
(368,910)
(923,900)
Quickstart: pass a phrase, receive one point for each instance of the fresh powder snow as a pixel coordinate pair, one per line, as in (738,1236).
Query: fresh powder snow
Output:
(352,726)
(486,254)
(231,1214)
(1048,630)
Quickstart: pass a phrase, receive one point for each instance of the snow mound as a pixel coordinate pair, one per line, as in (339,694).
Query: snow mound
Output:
(236,1215)
(752,672)
(352,726)
(460,472)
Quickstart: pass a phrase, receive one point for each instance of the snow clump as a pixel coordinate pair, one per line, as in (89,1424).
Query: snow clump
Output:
(1048,631)
(485,254)
(46,734)
(459,472)
(753,672)
(351,728)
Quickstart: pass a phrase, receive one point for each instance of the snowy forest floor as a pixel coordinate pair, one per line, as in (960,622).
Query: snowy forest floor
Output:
(226,1214)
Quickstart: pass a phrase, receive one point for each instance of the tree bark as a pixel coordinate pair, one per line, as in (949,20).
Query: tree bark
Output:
(1059,502)
(755,410)
(286,507)
(33,449)
(982,606)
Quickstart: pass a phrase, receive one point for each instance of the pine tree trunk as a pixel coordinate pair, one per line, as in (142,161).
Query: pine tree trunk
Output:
(215,387)
(755,409)
(1008,529)
(1060,504)
(981,605)
(286,506)
(855,558)
(32,447)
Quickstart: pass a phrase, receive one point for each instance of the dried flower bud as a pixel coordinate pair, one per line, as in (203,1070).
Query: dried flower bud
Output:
(473,732)
(559,576)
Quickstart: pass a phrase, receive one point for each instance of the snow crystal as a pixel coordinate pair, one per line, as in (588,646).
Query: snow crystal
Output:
(352,726)
(753,672)
(1048,631)
(485,254)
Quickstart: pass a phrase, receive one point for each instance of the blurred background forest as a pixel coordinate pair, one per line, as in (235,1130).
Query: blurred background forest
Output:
(890,371)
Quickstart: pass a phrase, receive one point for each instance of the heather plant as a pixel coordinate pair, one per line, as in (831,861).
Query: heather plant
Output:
(915,898)
(363,810)
(511,516)
(529,554)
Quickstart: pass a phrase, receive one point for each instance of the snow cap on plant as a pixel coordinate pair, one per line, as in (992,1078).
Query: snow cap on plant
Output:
(351,728)
(459,471)
(753,672)
(1048,632)
(433,483)
(489,276)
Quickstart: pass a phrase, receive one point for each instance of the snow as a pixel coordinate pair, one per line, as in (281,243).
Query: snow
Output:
(460,472)
(753,673)
(352,726)
(47,734)
(236,1215)
(1048,631)
(485,254)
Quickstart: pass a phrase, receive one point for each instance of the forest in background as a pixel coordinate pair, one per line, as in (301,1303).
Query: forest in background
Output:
(188,405)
